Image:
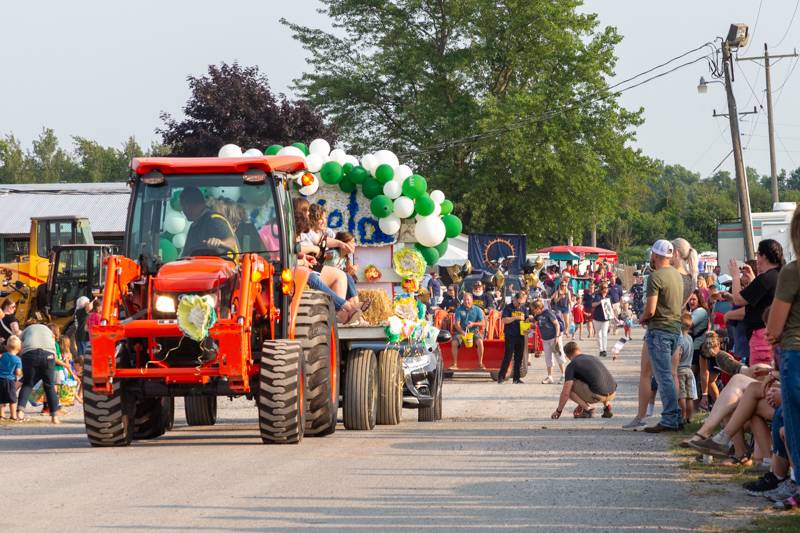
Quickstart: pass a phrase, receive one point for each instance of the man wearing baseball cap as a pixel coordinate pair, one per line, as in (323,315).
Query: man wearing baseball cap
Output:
(662,316)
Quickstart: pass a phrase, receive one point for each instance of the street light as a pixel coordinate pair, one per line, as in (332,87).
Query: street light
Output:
(702,85)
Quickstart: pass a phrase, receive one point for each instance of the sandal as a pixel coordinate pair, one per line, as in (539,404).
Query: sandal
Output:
(354,318)
(365,305)
(736,461)
(687,443)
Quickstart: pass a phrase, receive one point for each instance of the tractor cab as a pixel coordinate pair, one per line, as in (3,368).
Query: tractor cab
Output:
(75,270)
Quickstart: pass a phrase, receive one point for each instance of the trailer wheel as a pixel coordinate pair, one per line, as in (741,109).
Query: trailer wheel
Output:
(390,387)
(154,417)
(316,331)
(434,411)
(361,390)
(200,410)
(281,393)
(106,416)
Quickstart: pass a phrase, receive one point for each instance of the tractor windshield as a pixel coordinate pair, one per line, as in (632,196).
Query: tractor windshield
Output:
(210,214)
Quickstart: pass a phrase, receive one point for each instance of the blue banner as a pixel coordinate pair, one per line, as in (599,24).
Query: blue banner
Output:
(485,248)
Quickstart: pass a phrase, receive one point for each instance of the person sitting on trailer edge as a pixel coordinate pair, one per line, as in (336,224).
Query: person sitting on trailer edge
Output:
(209,229)
(482,299)
(469,319)
(586,381)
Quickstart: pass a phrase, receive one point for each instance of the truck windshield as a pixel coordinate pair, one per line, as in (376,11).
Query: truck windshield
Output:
(209,214)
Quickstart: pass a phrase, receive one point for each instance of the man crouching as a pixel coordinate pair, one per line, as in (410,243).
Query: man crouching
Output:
(586,381)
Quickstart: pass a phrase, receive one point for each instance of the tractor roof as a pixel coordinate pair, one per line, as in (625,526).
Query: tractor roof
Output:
(217,165)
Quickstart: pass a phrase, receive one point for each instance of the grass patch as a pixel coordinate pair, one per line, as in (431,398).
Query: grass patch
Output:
(785,523)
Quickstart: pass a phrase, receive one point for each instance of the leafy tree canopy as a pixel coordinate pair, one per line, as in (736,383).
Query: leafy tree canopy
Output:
(234,104)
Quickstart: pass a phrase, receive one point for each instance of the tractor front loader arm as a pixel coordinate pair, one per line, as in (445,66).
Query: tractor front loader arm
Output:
(120,272)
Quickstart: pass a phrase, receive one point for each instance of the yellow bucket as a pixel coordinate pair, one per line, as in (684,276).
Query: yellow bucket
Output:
(468,339)
(524,327)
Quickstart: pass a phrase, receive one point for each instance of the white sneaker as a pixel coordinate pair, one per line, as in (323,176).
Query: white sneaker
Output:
(548,380)
(634,424)
(781,492)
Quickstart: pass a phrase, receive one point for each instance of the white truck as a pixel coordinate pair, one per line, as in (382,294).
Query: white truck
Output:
(771,225)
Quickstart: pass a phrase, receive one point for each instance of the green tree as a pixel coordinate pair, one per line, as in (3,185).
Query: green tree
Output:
(504,105)
(13,163)
(49,162)
(99,163)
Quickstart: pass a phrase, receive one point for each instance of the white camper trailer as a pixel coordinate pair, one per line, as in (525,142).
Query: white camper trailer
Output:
(773,225)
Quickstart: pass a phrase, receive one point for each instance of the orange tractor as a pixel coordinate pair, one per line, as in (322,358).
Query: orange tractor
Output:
(189,313)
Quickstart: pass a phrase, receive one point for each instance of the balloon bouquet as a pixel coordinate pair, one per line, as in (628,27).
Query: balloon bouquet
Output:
(408,321)
(395,192)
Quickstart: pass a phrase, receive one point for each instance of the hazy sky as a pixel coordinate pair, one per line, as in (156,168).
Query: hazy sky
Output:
(105,70)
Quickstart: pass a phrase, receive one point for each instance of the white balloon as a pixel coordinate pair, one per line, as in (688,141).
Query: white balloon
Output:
(370,163)
(174,223)
(253,152)
(319,147)
(389,225)
(437,210)
(402,172)
(339,156)
(430,231)
(179,240)
(387,157)
(291,150)
(310,189)
(314,162)
(353,160)
(393,189)
(230,150)
(403,206)
(437,196)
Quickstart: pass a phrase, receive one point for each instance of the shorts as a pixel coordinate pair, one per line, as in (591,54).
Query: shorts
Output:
(687,387)
(551,347)
(760,348)
(475,338)
(587,395)
(8,391)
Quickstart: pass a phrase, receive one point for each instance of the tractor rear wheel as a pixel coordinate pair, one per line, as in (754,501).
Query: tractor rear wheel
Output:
(361,394)
(390,387)
(154,417)
(281,392)
(105,415)
(200,410)
(316,331)
(433,412)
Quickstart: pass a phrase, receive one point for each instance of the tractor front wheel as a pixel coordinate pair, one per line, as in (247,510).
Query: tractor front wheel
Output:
(281,392)
(433,412)
(200,410)
(105,415)
(361,393)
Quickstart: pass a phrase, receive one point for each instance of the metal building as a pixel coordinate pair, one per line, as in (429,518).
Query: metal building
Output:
(104,204)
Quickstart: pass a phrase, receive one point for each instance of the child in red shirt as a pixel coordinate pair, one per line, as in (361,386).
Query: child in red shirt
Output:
(577,317)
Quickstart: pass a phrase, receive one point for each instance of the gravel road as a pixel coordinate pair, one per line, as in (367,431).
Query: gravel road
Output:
(497,461)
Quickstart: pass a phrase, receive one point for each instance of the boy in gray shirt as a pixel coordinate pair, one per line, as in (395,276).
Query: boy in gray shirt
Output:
(687,387)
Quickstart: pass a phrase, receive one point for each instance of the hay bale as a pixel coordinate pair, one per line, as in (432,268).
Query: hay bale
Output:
(381,307)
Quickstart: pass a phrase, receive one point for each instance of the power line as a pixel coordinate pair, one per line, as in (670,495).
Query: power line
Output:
(753,33)
(786,151)
(791,22)
(789,75)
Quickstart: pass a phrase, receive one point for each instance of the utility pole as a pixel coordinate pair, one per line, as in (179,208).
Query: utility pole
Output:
(736,140)
(773,165)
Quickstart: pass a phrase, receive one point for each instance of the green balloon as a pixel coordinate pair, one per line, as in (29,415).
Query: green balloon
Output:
(447,207)
(167,250)
(414,186)
(331,173)
(452,226)
(303,148)
(431,255)
(272,149)
(424,205)
(358,175)
(346,168)
(372,188)
(442,247)
(346,185)
(384,173)
(175,201)
(381,206)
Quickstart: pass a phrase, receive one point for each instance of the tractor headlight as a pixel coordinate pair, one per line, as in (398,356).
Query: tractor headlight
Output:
(165,304)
